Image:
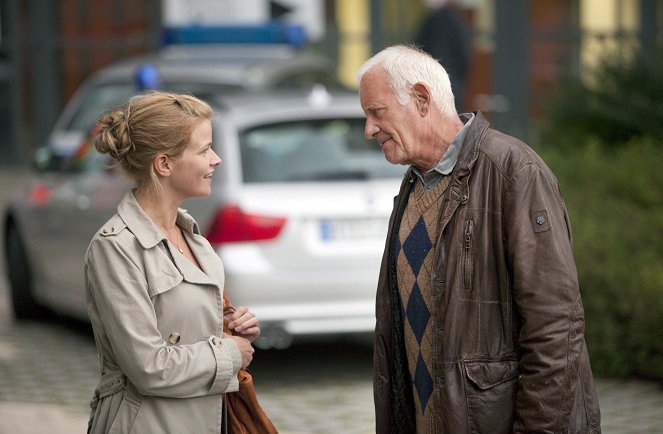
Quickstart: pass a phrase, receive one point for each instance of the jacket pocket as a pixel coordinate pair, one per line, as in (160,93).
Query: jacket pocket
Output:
(114,412)
(468,260)
(491,388)
(125,416)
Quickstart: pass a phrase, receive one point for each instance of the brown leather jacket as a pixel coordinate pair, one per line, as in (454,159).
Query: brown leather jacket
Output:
(508,318)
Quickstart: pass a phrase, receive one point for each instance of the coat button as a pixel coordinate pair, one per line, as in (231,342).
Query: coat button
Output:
(540,220)
(174,338)
(216,342)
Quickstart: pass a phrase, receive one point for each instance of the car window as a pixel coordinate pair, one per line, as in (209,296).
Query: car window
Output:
(314,150)
(86,158)
(103,97)
(99,99)
(306,79)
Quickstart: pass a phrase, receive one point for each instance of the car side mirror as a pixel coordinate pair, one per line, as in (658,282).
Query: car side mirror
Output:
(44,160)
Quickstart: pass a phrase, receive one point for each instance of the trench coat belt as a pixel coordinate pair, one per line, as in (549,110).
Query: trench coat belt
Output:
(110,383)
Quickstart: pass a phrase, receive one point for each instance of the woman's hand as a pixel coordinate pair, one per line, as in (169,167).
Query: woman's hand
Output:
(244,323)
(245,349)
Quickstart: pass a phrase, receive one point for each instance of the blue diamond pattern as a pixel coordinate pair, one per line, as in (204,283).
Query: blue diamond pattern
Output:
(417,245)
(423,383)
(397,246)
(417,313)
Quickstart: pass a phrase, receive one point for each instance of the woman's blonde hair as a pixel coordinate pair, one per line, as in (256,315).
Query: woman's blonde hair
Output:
(147,125)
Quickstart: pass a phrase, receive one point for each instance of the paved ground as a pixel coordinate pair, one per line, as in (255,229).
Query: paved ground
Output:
(48,372)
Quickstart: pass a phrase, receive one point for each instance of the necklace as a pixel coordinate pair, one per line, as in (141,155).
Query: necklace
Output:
(178,241)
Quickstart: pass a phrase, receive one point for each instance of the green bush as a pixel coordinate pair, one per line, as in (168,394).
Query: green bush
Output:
(619,100)
(615,201)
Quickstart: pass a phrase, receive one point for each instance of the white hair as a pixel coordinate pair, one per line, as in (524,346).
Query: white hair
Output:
(406,66)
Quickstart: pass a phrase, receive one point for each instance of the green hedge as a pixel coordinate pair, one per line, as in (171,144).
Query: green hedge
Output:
(615,201)
(620,99)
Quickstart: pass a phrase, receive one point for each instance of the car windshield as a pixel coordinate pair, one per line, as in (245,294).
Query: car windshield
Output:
(99,99)
(105,96)
(313,150)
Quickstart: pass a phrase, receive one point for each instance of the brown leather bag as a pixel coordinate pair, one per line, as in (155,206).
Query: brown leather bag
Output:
(244,413)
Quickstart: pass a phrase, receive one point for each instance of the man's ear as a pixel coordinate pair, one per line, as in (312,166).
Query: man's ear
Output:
(421,98)
(162,165)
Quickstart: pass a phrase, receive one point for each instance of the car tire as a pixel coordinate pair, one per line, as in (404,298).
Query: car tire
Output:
(20,278)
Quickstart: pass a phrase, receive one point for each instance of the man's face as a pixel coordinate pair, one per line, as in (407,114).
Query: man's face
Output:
(393,125)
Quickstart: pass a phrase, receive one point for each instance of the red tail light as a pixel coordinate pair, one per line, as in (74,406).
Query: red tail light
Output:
(232,225)
(40,194)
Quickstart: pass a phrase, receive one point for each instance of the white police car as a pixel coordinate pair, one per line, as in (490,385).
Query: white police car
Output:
(298,211)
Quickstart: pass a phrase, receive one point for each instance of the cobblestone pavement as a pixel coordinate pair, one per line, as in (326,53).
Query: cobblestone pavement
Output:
(48,372)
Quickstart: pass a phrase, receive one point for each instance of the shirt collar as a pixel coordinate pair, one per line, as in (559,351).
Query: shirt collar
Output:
(450,157)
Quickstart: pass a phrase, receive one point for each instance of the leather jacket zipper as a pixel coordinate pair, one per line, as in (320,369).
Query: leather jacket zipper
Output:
(468,263)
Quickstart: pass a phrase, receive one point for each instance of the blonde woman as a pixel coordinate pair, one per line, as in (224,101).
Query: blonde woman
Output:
(154,285)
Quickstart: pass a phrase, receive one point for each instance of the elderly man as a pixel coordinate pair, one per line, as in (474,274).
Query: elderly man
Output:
(480,325)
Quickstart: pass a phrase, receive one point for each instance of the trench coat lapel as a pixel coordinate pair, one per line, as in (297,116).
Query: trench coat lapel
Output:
(149,236)
(212,268)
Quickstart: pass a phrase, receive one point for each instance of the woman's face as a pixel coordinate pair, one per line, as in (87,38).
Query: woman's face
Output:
(193,170)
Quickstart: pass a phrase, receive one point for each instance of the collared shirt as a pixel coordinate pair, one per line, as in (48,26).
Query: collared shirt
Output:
(448,160)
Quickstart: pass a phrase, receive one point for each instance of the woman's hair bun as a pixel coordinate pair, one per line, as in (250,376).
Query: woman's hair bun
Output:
(114,136)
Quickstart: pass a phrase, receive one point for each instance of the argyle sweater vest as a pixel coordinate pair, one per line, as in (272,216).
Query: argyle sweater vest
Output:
(415,249)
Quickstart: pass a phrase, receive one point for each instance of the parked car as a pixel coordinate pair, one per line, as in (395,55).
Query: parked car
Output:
(298,214)
(201,69)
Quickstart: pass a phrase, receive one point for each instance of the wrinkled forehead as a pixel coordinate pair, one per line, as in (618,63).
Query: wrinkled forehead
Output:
(375,77)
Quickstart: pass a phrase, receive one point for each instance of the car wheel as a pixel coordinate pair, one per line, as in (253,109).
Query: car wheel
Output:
(20,278)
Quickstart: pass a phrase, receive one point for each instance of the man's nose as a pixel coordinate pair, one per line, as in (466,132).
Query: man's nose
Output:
(370,129)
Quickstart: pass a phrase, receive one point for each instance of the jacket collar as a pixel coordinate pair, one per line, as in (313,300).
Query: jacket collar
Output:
(470,148)
(149,236)
(468,152)
(142,226)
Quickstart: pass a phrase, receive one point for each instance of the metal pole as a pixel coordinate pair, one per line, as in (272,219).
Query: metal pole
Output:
(377,27)
(44,105)
(10,80)
(511,67)
(648,26)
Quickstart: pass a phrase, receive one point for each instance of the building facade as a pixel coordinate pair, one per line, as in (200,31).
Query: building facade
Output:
(521,47)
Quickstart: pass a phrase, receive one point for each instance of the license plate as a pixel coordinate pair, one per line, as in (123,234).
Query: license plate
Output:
(353,229)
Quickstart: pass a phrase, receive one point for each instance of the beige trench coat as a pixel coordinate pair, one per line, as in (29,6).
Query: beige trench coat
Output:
(157,322)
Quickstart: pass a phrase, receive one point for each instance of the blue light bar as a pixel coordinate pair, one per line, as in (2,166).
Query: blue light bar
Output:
(273,32)
(147,78)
